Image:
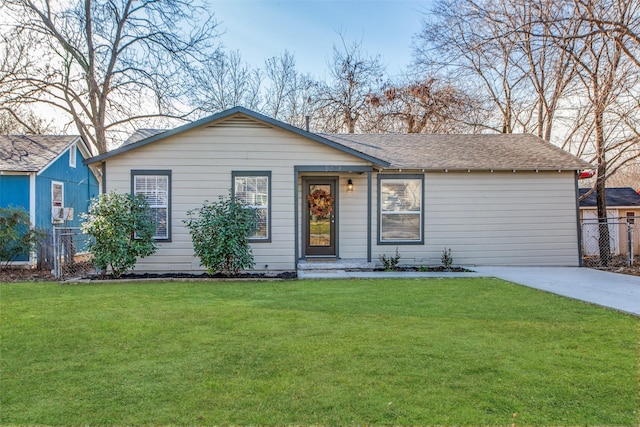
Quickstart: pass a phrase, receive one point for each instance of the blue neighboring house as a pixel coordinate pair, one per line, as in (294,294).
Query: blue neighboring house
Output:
(44,174)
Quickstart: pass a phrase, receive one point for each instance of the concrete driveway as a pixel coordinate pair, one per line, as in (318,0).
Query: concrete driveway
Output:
(618,291)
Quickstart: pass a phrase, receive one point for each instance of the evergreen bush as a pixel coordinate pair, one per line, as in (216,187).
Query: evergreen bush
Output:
(122,230)
(220,232)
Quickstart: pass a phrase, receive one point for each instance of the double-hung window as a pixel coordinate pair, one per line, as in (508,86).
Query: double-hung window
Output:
(57,202)
(401,209)
(253,189)
(155,186)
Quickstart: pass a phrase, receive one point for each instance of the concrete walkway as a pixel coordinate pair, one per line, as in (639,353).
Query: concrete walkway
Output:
(618,291)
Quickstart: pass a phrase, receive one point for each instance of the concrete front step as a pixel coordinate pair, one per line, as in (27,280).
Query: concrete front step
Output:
(323,264)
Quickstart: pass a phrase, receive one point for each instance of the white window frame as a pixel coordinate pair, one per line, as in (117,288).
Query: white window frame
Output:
(56,205)
(382,212)
(256,174)
(146,174)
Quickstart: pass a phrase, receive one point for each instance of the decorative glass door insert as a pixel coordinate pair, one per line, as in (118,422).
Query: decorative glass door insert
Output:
(320,217)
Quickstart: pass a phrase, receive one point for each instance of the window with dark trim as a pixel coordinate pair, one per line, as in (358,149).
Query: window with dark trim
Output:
(155,186)
(253,188)
(400,207)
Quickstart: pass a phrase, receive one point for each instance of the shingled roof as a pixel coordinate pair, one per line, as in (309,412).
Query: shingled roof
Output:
(31,153)
(462,152)
(614,197)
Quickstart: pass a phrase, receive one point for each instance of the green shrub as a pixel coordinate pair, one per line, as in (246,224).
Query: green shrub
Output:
(16,235)
(122,229)
(390,263)
(446,259)
(220,233)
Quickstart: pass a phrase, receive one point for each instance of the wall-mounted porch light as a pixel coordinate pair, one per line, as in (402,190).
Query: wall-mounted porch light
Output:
(349,185)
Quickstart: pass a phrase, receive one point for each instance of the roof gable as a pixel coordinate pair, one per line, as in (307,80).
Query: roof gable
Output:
(229,115)
(614,197)
(33,153)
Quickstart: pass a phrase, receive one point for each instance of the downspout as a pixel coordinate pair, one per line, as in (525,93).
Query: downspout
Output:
(104,177)
(32,212)
(369,221)
(296,231)
(577,193)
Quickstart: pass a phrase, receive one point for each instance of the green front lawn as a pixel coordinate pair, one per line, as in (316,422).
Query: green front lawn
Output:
(383,352)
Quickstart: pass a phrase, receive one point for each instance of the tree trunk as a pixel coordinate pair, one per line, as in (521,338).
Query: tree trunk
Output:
(601,203)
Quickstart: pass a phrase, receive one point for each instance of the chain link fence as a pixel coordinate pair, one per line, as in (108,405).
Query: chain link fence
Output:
(70,253)
(613,243)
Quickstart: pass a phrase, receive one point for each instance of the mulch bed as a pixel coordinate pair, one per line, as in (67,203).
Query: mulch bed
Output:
(287,275)
(25,275)
(35,275)
(438,269)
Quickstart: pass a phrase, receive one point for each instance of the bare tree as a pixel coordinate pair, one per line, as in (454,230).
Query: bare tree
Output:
(224,81)
(282,76)
(461,40)
(288,93)
(23,121)
(505,52)
(422,106)
(619,20)
(340,102)
(105,64)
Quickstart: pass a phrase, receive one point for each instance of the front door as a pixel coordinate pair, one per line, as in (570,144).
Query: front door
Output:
(320,205)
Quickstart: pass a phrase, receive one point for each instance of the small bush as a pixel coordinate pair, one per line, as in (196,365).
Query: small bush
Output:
(122,229)
(390,263)
(16,235)
(446,259)
(220,232)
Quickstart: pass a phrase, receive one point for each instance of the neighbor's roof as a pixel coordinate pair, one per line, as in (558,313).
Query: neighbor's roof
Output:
(31,153)
(614,197)
(462,152)
(141,134)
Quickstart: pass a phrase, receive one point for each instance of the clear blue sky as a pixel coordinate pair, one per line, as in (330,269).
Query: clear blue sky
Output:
(260,29)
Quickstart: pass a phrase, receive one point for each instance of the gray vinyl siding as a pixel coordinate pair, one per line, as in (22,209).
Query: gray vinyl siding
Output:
(499,218)
(202,160)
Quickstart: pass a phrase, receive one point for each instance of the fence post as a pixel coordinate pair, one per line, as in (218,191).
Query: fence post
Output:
(56,262)
(630,240)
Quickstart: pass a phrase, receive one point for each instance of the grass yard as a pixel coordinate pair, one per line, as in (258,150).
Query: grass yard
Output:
(374,352)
